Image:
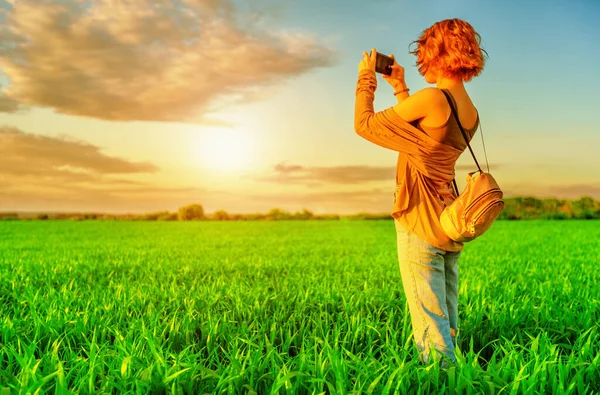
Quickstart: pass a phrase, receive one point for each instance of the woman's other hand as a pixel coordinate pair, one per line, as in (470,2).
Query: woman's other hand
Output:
(396,79)
(368,62)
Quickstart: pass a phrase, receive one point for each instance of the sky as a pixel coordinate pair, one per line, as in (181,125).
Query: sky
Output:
(246,106)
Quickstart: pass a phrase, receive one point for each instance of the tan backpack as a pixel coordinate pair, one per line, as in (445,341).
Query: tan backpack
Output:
(477,207)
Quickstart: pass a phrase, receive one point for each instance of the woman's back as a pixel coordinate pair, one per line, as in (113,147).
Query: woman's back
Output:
(442,126)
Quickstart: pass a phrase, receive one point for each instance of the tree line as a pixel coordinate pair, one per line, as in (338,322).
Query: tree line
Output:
(516,208)
(533,208)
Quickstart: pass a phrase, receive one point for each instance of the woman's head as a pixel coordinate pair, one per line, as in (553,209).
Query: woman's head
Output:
(449,48)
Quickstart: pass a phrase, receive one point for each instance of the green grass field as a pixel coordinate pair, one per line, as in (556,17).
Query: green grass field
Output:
(287,307)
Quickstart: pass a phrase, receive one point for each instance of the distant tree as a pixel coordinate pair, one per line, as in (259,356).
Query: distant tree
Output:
(551,209)
(167,216)
(368,216)
(221,215)
(567,209)
(157,216)
(509,210)
(533,208)
(148,217)
(253,217)
(9,216)
(277,214)
(327,217)
(584,208)
(190,212)
(42,217)
(559,215)
(304,215)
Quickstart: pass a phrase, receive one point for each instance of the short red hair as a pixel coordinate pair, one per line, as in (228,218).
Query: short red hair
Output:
(451,47)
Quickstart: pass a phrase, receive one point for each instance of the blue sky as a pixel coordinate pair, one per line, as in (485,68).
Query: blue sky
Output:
(288,141)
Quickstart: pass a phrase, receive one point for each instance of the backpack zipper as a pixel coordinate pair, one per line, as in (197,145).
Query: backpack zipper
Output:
(485,210)
(470,206)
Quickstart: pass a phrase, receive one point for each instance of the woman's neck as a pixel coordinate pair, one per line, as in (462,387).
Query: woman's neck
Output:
(450,83)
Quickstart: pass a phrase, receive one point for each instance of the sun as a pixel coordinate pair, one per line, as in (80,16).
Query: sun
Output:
(226,150)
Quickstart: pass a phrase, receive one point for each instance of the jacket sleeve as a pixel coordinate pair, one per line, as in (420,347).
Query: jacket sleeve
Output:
(381,128)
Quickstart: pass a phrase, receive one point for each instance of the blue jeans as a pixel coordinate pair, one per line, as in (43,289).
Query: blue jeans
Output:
(430,281)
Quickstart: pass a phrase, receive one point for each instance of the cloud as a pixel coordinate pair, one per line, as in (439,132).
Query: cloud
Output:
(296,174)
(62,159)
(143,59)
(575,191)
(61,173)
(282,168)
(7,104)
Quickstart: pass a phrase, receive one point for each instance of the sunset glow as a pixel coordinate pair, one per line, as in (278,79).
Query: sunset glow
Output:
(225,150)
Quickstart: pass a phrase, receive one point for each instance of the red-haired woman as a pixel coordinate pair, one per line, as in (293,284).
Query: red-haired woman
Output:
(426,135)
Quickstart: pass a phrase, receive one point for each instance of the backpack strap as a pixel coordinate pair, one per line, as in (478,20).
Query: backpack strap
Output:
(455,113)
(455,186)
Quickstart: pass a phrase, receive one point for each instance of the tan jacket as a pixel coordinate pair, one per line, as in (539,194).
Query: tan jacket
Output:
(425,167)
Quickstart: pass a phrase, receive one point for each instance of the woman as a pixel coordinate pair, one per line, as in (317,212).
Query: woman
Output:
(426,135)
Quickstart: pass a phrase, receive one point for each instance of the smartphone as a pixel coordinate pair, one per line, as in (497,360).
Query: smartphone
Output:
(383,64)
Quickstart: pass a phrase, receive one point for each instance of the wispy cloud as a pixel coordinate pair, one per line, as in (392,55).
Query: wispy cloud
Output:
(67,159)
(296,174)
(7,104)
(60,173)
(143,59)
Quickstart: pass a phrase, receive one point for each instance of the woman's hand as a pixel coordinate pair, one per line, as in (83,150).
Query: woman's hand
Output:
(368,62)
(396,80)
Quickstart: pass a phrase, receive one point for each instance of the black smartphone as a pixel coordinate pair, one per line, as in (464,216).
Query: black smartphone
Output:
(383,64)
